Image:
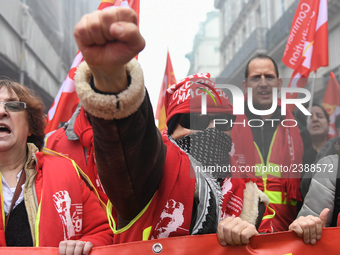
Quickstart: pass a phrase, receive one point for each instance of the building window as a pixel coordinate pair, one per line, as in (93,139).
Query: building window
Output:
(247,28)
(227,18)
(244,34)
(279,9)
(253,22)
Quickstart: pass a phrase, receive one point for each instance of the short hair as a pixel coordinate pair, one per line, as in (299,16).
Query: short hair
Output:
(35,107)
(261,56)
(173,122)
(324,111)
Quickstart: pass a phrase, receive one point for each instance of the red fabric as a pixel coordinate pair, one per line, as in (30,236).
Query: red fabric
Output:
(176,191)
(177,187)
(287,150)
(331,103)
(278,243)
(307,45)
(66,206)
(168,80)
(233,195)
(66,100)
(2,233)
(284,243)
(297,80)
(185,97)
(75,149)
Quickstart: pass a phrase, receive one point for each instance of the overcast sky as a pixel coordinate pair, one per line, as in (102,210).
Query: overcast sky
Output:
(168,25)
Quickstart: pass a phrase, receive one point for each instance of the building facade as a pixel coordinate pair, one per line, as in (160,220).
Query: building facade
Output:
(248,27)
(37,46)
(205,55)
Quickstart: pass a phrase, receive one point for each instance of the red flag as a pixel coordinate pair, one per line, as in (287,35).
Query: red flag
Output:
(307,45)
(67,100)
(331,102)
(296,81)
(168,80)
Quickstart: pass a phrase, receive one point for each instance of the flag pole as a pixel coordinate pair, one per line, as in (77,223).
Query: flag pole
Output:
(312,96)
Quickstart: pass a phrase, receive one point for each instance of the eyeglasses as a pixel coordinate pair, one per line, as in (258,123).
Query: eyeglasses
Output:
(196,121)
(14,106)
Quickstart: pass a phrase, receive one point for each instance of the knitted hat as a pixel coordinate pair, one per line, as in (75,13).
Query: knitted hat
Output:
(186,97)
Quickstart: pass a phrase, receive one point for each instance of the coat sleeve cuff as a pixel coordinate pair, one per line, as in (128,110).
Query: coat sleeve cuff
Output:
(108,106)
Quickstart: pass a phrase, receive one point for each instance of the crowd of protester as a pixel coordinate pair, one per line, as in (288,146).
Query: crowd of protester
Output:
(108,176)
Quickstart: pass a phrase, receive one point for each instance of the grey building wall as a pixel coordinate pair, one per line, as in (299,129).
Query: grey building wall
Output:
(204,57)
(37,45)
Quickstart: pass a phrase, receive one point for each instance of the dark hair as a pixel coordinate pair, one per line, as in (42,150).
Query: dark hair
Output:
(337,121)
(324,111)
(35,107)
(336,146)
(172,123)
(261,56)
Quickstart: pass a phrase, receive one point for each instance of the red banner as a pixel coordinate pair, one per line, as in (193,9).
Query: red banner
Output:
(284,243)
(331,102)
(67,100)
(168,80)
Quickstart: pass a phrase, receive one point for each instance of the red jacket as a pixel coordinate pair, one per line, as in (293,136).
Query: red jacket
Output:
(174,199)
(59,204)
(66,142)
(169,213)
(286,149)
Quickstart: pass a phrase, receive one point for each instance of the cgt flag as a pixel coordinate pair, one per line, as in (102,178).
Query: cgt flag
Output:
(67,100)
(331,102)
(168,80)
(307,45)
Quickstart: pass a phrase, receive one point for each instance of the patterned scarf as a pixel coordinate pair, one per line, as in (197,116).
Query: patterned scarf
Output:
(206,149)
(210,147)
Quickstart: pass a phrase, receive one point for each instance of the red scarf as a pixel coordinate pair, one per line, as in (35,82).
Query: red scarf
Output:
(233,192)
(233,195)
